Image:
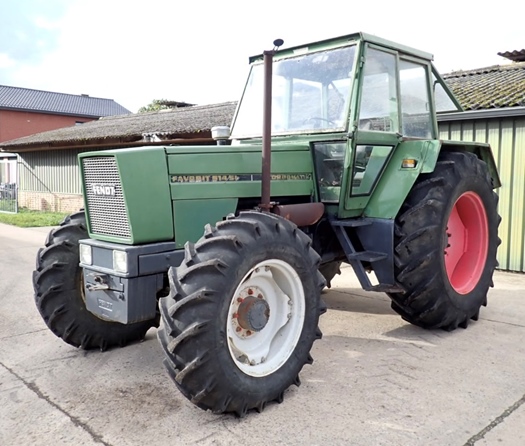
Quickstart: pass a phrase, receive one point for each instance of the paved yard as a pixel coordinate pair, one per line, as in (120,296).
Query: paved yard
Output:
(376,380)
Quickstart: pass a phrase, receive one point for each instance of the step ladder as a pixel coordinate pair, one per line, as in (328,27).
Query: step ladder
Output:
(356,258)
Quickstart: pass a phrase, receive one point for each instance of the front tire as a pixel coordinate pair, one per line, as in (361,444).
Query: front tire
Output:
(446,238)
(59,293)
(242,314)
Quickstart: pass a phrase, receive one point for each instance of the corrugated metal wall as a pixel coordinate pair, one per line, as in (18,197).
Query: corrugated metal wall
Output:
(54,171)
(507,139)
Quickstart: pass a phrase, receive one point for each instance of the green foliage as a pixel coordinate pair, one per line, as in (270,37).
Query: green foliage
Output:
(7,205)
(156,105)
(26,218)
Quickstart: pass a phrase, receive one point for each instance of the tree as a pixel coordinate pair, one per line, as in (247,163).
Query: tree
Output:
(163,104)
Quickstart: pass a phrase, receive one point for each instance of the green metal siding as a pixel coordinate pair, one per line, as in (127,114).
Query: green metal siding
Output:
(506,136)
(54,171)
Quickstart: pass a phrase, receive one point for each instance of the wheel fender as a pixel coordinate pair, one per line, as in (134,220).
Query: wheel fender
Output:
(482,150)
(396,182)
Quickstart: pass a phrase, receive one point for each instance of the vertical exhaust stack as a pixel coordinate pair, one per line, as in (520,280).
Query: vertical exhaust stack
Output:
(267,128)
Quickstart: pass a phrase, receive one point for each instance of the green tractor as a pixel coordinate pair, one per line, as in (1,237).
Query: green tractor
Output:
(230,254)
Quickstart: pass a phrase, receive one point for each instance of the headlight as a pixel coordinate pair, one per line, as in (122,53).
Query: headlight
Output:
(85,255)
(120,261)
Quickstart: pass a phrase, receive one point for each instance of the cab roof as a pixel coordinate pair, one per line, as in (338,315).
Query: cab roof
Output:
(342,40)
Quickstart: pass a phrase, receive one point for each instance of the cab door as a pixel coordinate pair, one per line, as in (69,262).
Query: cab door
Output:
(394,104)
(376,127)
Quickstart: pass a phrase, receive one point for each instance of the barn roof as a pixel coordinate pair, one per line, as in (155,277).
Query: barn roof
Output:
(120,131)
(497,86)
(25,99)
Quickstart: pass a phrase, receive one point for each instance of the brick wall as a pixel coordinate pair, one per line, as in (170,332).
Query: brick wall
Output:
(45,201)
(15,124)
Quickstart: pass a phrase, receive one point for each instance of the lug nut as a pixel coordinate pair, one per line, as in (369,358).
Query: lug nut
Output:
(250,291)
(239,299)
(260,296)
(248,333)
(238,329)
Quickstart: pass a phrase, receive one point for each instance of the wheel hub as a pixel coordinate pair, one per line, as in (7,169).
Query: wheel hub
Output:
(253,313)
(467,241)
(265,318)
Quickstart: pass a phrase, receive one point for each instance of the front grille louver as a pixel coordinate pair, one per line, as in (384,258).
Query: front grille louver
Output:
(107,213)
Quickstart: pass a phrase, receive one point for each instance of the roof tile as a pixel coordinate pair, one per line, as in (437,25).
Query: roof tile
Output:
(496,86)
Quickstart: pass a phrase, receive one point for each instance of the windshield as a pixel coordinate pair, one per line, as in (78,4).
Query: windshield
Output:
(309,93)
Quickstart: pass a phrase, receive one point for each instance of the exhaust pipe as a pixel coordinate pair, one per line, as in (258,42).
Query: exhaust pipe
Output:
(267,128)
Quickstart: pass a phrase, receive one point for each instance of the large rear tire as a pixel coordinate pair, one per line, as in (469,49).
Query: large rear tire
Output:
(446,238)
(59,293)
(242,315)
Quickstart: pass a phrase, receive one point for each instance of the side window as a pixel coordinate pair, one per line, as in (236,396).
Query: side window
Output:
(444,102)
(329,167)
(379,104)
(415,101)
(368,165)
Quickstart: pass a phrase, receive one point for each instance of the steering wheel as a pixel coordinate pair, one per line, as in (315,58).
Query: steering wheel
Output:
(318,119)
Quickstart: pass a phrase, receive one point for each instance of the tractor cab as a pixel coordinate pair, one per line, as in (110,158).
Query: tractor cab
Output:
(353,99)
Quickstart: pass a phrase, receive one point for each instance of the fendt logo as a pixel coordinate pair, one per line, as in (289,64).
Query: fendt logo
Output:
(103,189)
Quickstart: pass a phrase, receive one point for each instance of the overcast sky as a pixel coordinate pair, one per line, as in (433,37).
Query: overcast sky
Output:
(197,51)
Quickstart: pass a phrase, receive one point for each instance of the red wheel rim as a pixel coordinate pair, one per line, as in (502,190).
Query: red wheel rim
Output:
(467,242)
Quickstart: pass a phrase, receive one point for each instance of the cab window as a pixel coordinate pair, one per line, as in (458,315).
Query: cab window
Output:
(379,103)
(415,100)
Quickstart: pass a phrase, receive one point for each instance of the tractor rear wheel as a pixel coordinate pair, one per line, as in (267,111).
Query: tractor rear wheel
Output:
(59,293)
(242,314)
(446,238)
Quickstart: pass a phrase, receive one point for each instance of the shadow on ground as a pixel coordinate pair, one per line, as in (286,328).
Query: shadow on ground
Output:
(357,300)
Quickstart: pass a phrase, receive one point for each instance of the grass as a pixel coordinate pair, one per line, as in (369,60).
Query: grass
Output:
(7,205)
(26,218)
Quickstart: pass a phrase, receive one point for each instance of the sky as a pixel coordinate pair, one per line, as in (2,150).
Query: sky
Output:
(197,51)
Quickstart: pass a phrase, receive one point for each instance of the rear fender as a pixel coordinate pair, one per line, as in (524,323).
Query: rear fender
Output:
(397,181)
(482,150)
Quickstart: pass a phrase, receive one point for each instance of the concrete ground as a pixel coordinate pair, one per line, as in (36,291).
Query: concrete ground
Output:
(376,380)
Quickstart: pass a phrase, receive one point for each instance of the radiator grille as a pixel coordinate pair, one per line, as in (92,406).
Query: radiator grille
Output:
(105,201)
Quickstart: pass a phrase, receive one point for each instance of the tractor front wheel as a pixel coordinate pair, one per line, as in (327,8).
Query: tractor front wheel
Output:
(242,315)
(59,293)
(446,243)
